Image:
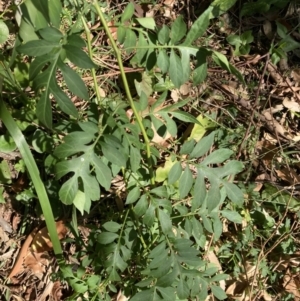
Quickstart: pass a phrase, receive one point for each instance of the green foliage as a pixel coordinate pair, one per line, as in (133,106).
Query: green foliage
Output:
(171,48)
(154,247)
(4,32)
(241,43)
(260,6)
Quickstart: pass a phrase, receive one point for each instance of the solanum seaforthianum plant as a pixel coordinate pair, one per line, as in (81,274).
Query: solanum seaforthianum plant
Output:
(153,248)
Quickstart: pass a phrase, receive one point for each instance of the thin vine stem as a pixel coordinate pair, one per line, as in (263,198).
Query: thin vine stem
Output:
(127,90)
(88,32)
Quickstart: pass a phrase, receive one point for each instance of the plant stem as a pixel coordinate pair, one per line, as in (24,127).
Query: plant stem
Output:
(87,32)
(32,168)
(127,90)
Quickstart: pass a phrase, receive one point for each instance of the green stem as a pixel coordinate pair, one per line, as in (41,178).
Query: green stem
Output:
(127,90)
(32,168)
(88,32)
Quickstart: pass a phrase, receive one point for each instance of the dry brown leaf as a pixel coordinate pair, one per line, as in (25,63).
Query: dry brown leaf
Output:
(291,105)
(267,151)
(169,3)
(120,297)
(16,221)
(268,31)
(41,241)
(36,263)
(56,292)
(274,124)
(175,95)
(291,284)
(288,175)
(296,75)
(185,89)
(237,290)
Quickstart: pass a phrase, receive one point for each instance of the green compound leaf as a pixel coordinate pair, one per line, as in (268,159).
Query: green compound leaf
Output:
(7,144)
(163,61)
(164,35)
(198,28)
(185,183)
(76,40)
(218,292)
(130,41)
(141,49)
(149,216)
(232,216)
(147,22)
(37,65)
(74,81)
(234,193)
(217,156)
(203,146)
(199,191)
(112,226)
(68,191)
(44,110)
(222,61)
(141,206)
(184,116)
(105,238)
(38,47)
(114,155)
(182,289)
(51,34)
(213,194)
(55,9)
(133,195)
(168,293)
(185,62)
(128,12)
(175,70)
(221,6)
(178,30)
(4,32)
(121,33)
(165,221)
(175,173)
(64,102)
(78,57)
(103,173)
(79,201)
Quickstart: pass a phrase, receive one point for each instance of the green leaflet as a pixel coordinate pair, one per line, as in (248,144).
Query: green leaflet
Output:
(164,35)
(43,110)
(73,81)
(133,195)
(185,183)
(78,57)
(175,173)
(178,30)
(175,69)
(51,34)
(198,28)
(147,22)
(128,12)
(38,47)
(63,101)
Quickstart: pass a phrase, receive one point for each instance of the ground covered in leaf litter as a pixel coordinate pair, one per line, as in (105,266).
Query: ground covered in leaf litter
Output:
(260,124)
